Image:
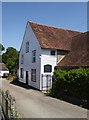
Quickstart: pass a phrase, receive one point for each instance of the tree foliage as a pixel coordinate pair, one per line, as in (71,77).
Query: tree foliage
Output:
(0,58)
(11,58)
(74,82)
(1,47)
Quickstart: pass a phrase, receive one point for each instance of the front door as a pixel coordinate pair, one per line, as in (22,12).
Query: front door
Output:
(27,77)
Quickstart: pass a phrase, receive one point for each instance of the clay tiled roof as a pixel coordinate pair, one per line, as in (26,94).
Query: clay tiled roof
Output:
(3,67)
(52,37)
(79,54)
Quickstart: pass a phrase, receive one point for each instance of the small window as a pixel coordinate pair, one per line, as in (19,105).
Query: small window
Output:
(27,47)
(33,75)
(48,68)
(21,73)
(34,56)
(22,59)
(52,52)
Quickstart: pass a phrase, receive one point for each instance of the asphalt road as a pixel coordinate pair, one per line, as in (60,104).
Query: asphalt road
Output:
(34,104)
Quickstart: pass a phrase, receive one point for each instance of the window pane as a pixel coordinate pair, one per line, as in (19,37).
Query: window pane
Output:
(21,72)
(27,46)
(47,68)
(34,56)
(52,52)
(22,59)
(33,75)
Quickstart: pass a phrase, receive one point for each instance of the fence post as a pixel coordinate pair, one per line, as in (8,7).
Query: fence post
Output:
(10,100)
(8,105)
(3,101)
(13,108)
(6,102)
(47,83)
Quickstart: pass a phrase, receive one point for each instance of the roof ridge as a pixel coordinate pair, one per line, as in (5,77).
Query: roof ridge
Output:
(56,38)
(54,27)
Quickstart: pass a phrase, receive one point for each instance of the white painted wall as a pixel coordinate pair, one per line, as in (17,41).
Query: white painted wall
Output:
(46,58)
(28,65)
(43,57)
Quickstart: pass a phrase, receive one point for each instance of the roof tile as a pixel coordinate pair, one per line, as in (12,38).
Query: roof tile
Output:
(52,37)
(79,54)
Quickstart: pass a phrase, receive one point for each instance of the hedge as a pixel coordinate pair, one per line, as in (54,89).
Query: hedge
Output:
(74,82)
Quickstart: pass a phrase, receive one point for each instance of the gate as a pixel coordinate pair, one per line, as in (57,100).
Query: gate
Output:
(46,82)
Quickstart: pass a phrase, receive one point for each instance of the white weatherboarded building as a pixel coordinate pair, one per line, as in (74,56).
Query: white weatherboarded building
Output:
(43,47)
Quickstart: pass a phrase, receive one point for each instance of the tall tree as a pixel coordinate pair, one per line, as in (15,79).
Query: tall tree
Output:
(10,58)
(1,47)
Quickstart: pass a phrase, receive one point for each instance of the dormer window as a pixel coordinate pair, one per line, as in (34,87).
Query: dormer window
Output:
(52,52)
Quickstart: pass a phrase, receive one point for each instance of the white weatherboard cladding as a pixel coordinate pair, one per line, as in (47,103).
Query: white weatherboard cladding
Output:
(52,60)
(47,59)
(43,57)
(28,65)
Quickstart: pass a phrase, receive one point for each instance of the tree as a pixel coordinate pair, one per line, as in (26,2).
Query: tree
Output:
(11,58)
(1,47)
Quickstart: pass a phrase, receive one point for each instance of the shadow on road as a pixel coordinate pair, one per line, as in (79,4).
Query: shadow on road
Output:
(20,84)
(61,96)
(71,99)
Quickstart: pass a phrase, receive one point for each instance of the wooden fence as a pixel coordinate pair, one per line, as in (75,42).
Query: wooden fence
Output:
(8,105)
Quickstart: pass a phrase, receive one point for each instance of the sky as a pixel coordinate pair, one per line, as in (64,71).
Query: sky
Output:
(67,15)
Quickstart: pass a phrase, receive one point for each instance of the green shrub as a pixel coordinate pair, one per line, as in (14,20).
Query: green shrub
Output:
(75,82)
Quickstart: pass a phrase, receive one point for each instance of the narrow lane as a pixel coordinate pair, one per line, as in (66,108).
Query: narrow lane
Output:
(34,104)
